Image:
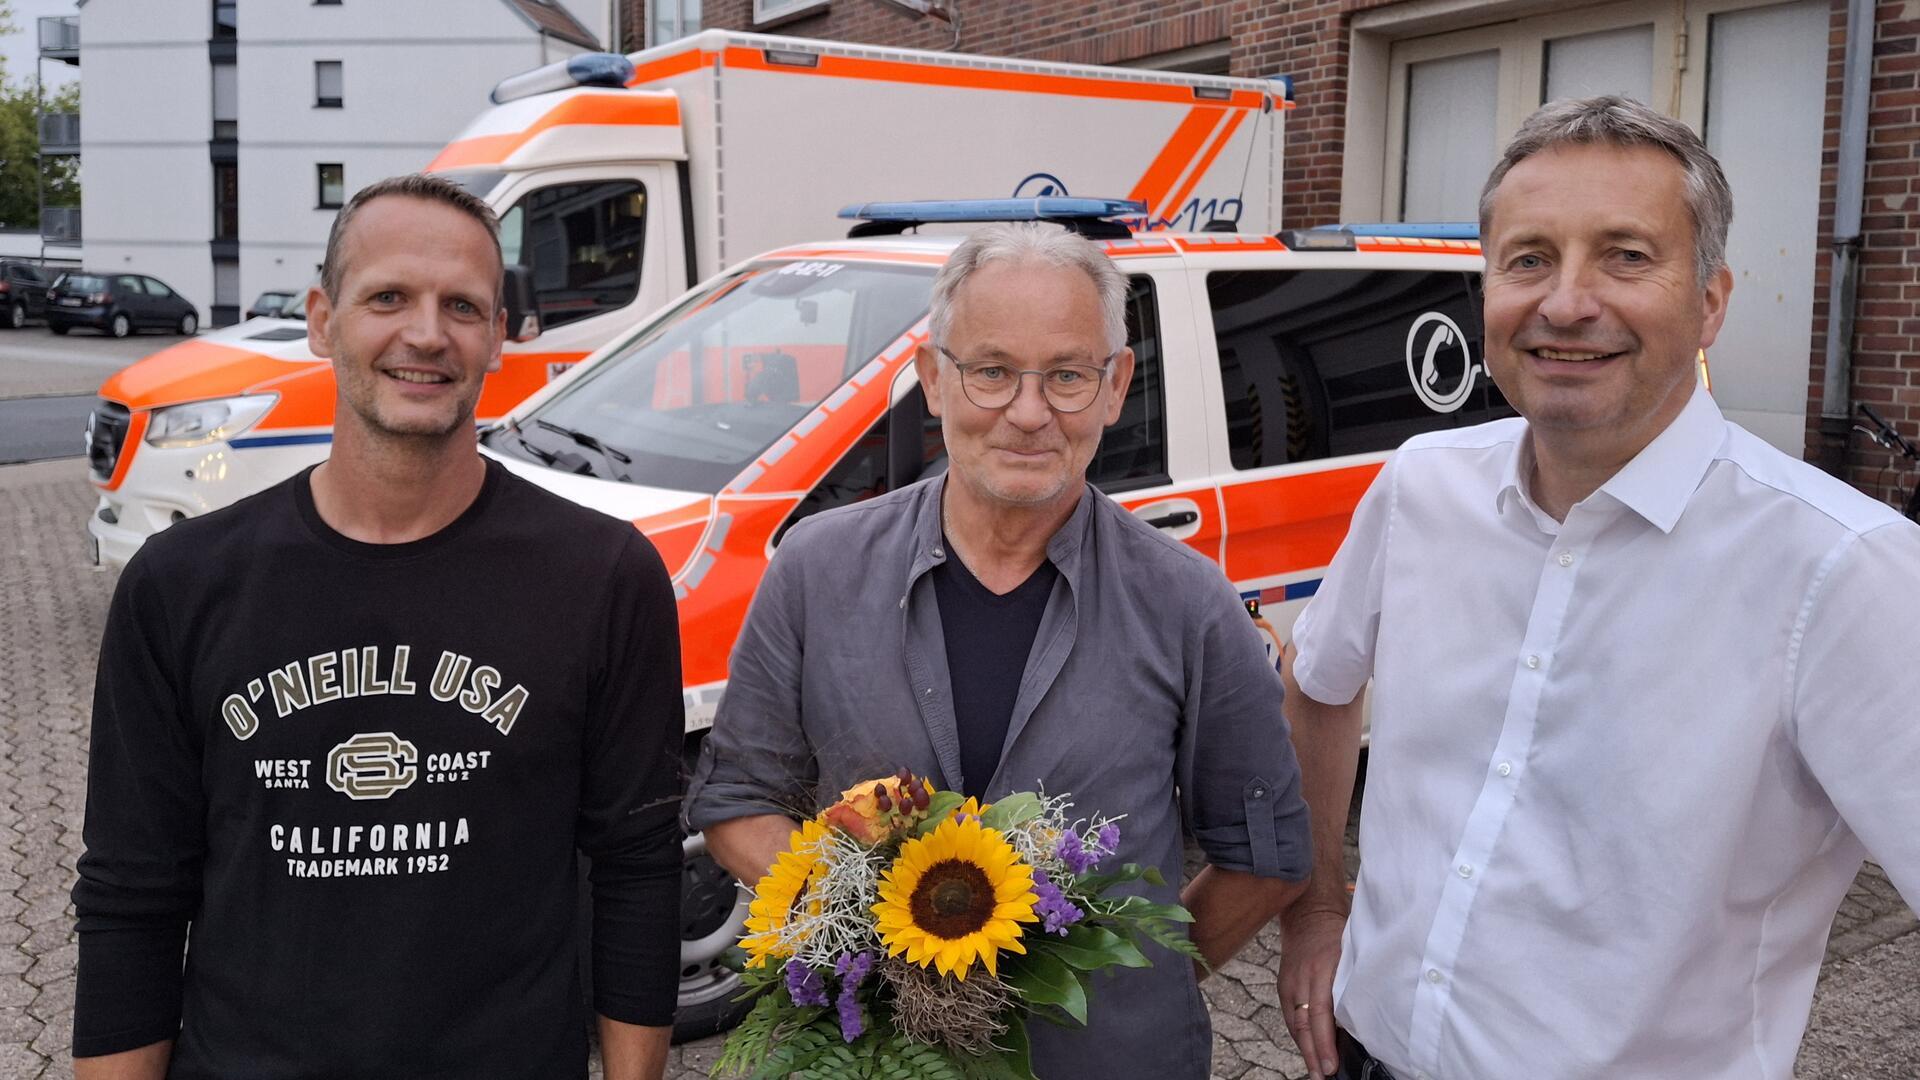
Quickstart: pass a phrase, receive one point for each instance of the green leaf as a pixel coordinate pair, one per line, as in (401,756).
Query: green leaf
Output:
(1016,809)
(1019,1055)
(1139,907)
(939,809)
(1091,948)
(1047,980)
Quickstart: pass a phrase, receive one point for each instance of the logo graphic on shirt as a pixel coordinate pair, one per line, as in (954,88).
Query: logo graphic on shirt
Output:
(372,765)
(1439,362)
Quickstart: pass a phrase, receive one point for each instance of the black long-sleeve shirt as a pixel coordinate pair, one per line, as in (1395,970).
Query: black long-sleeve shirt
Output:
(357,776)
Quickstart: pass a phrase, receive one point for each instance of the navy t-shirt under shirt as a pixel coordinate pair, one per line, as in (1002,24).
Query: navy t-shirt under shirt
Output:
(988,639)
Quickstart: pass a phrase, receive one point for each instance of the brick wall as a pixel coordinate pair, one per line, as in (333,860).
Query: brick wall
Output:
(1308,40)
(1886,329)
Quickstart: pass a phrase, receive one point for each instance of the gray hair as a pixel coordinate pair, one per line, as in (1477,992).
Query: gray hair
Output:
(414,186)
(1622,121)
(1031,241)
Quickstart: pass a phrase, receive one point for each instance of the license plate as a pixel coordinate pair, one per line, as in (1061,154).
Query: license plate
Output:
(69,302)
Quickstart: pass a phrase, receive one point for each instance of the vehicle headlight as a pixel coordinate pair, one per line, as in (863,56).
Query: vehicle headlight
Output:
(200,422)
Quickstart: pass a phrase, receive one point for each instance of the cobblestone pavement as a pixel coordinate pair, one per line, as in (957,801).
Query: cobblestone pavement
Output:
(1866,1018)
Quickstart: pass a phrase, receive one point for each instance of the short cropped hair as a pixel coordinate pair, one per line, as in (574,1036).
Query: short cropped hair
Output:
(414,186)
(1031,241)
(1619,121)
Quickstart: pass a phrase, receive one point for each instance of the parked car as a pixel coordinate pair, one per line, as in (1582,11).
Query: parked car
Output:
(23,293)
(118,304)
(272,304)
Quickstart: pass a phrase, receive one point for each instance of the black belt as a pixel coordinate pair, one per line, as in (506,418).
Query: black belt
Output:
(1355,1062)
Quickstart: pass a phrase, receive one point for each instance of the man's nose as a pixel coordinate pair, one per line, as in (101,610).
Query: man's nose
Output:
(1571,296)
(425,327)
(1029,410)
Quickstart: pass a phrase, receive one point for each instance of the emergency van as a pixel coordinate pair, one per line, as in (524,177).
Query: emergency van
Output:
(1274,374)
(622,181)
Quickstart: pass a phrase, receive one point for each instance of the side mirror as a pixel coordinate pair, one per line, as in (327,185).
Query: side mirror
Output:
(523,309)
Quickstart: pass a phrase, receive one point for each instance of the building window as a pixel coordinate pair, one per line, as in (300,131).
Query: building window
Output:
(583,243)
(328,84)
(1213,58)
(225,24)
(226,201)
(671,20)
(226,102)
(326,3)
(333,185)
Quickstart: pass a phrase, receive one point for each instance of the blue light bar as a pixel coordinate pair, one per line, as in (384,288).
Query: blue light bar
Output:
(587,69)
(1414,230)
(1081,214)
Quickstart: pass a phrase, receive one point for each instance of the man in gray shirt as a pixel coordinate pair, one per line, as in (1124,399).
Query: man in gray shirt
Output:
(1005,626)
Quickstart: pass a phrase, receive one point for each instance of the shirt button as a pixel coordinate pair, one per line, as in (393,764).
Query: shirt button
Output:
(1465,870)
(938,554)
(1259,793)
(1566,558)
(1433,975)
(1505,768)
(1533,662)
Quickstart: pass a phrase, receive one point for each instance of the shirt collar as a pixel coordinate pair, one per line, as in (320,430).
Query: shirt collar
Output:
(1660,479)
(1063,548)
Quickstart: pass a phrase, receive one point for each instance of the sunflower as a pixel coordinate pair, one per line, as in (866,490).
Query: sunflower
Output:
(782,895)
(954,896)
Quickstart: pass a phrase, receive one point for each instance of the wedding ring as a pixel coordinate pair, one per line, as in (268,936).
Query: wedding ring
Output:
(1303,1006)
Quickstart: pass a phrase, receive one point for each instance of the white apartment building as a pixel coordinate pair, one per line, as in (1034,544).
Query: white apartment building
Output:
(221,137)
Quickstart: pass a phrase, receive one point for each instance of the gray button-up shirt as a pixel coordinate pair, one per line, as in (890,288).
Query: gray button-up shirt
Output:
(1147,693)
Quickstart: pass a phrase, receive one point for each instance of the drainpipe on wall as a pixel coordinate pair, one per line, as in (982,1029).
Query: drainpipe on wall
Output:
(1836,404)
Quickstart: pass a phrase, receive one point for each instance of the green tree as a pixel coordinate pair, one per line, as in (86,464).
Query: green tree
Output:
(20,146)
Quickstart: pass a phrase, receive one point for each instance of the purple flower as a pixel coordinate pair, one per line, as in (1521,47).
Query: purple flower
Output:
(804,985)
(1075,854)
(1053,907)
(851,968)
(1108,838)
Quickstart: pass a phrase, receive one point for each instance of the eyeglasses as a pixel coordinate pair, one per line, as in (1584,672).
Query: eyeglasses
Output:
(1068,388)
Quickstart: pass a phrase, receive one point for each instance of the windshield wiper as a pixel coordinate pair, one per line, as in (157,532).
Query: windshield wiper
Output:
(610,453)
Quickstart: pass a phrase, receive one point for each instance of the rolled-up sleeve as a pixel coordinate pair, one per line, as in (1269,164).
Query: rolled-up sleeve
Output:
(1239,780)
(756,760)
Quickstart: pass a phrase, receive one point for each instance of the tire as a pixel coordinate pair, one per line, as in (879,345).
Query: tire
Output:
(189,323)
(17,315)
(59,329)
(119,325)
(713,912)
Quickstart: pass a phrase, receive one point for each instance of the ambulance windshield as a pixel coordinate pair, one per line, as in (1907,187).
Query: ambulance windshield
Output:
(706,389)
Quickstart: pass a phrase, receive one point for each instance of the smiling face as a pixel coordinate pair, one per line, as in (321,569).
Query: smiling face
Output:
(416,325)
(1030,316)
(1594,313)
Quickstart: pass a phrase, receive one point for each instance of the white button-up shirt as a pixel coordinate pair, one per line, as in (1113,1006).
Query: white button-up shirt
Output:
(1623,768)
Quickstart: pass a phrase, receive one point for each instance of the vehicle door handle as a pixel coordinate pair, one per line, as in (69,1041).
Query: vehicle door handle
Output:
(1174,520)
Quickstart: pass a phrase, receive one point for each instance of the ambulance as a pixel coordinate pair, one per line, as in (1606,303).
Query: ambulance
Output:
(621,181)
(1274,374)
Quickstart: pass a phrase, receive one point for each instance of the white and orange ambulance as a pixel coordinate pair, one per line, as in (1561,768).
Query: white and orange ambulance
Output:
(622,181)
(1274,374)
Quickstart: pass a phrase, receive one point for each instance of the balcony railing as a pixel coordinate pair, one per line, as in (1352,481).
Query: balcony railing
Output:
(60,37)
(60,133)
(60,224)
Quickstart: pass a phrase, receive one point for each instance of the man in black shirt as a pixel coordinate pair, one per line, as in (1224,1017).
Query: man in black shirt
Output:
(351,731)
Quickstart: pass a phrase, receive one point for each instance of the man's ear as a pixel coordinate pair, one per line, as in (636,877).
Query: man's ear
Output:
(926,364)
(319,319)
(499,339)
(1122,378)
(1713,305)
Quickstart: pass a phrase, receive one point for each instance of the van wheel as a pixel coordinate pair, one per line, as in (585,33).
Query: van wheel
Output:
(188,324)
(17,316)
(713,913)
(59,329)
(121,326)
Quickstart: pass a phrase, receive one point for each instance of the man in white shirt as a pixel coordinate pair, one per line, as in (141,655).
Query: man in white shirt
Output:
(1637,714)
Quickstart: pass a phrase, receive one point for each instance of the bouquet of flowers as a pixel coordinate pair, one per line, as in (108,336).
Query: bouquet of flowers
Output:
(908,932)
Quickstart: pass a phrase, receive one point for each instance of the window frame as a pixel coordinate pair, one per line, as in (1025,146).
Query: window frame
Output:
(223,207)
(321,100)
(320,185)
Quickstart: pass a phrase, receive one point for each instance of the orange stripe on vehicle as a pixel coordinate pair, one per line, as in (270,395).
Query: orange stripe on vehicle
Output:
(193,371)
(1032,82)
(1175,156)
(1290,523)
(613,110)
(1420,246)
(1228,243)
(1172,207)
(668,67)
(129,445)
